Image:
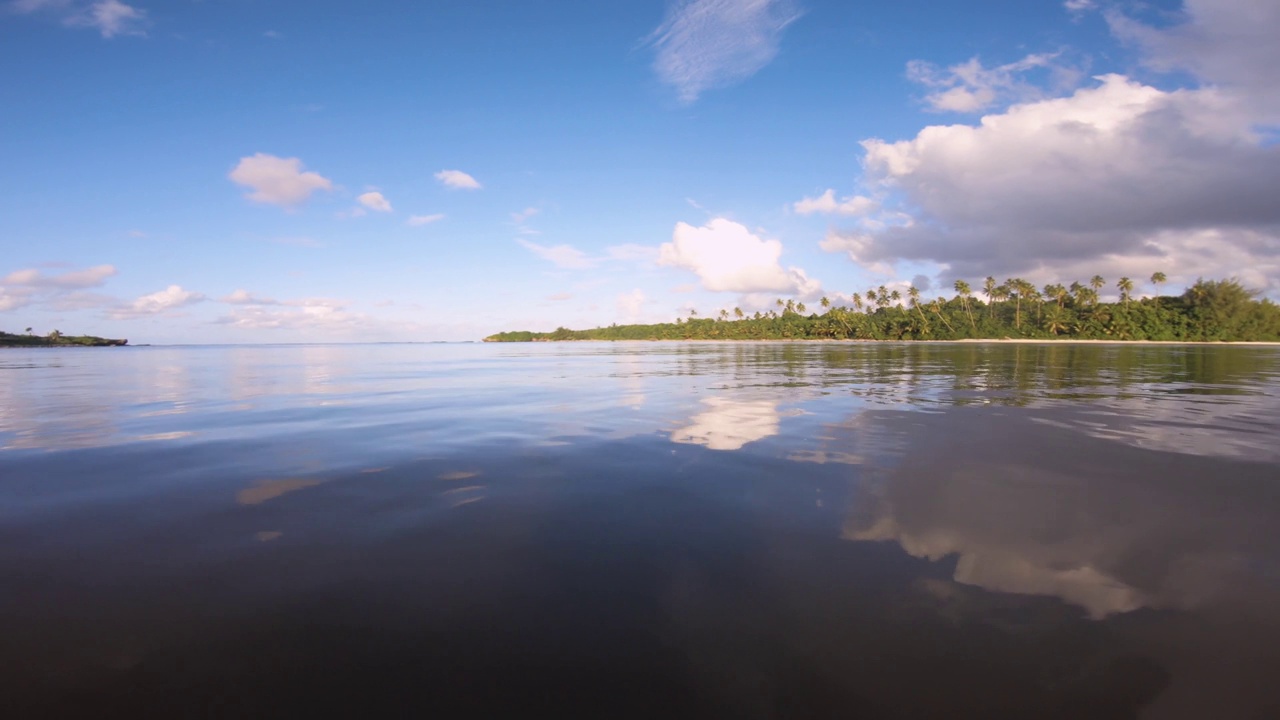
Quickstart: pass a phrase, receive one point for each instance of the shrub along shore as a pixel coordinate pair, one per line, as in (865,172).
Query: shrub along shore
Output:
(1208,311)
(56,339)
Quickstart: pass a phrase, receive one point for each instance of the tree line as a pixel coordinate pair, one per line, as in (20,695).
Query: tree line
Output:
(1208,311)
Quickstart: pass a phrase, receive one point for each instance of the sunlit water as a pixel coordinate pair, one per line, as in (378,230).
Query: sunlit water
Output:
(641,530)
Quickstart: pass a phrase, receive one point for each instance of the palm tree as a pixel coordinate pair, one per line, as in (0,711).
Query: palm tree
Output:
(737,313)
(800,308)
(28,331)
(914,293)
(882,299)
(1125,286)
(989,289)
(1015,289)
(1057,292)
(790,307)
(724,314)
(896,297)
(1096,282)
(936,307)
(857,302)
(693,313)
(964,291)
(1158,278)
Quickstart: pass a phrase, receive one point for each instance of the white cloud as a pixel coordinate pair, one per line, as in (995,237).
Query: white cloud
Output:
(171,298)
(1079,6)
(420,220)
(458,179)
(706,44)
(277,180)
(1119,175)
(375,201)
(563,256)
(970,87)
(111,18)
(727,257)
(631,252)
(78,279)
(827,203)
(315,314)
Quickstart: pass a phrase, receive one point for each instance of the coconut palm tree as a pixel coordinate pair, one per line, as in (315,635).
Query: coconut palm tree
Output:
(989,289)
(737,313)
(1014,286)
(857,302)
(724,314)
(964,291)
(1125,285)
(800,308)
(1096,282)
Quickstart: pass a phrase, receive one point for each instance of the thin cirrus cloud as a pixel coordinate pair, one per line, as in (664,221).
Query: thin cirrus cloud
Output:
(375,201)
(74,280)
(458,180)
(707,44)
(277,181)
(420,220)
(565,257)
(971,87)
(109,17)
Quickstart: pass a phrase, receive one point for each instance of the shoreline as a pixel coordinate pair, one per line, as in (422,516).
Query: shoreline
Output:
(964,341)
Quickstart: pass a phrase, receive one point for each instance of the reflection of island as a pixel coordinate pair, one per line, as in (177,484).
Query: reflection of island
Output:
(730,424)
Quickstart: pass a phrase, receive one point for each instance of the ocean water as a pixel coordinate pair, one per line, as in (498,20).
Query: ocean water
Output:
(641,530)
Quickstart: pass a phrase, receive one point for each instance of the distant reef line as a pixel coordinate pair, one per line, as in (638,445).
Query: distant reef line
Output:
(56,339)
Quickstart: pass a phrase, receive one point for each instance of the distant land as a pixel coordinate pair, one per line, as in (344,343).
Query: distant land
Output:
(1208,311)
(57,339)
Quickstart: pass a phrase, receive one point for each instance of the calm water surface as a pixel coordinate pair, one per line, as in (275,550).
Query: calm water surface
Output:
(641,530)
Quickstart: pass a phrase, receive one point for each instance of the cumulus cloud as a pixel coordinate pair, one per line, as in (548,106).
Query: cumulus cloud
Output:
(458,179)
(1121,174)
(61,291)
(727,257)
(312,314)
(970,86)
(706,44)
(277,180)
(171,298)
(420,220)
(827,203)
(375,201)
(563,256)
(109,17)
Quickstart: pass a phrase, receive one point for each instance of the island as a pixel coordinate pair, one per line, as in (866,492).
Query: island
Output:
(56,339)
(1208,311)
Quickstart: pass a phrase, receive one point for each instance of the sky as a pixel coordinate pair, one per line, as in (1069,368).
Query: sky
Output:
(238,171)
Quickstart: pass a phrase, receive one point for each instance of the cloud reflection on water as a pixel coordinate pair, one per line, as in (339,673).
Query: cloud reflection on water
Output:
(730,424)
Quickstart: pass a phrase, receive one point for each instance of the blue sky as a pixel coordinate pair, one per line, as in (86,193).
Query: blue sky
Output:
(240,171)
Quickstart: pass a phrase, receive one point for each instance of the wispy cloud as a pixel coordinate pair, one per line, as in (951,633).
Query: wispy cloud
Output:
(972,87)
(458,180)
(706,44)
(109,17)
(562,256)
(276,180)
(420,220)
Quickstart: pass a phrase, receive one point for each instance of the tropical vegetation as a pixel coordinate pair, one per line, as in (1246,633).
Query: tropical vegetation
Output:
(1208,311)
(55,339)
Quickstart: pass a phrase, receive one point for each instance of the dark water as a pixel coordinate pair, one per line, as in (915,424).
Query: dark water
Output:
(650,530)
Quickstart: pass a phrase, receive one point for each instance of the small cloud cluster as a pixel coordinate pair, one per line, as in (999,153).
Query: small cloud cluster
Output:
(856,205)
(25,287)
(706,44)
(262,313)
(276,180)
